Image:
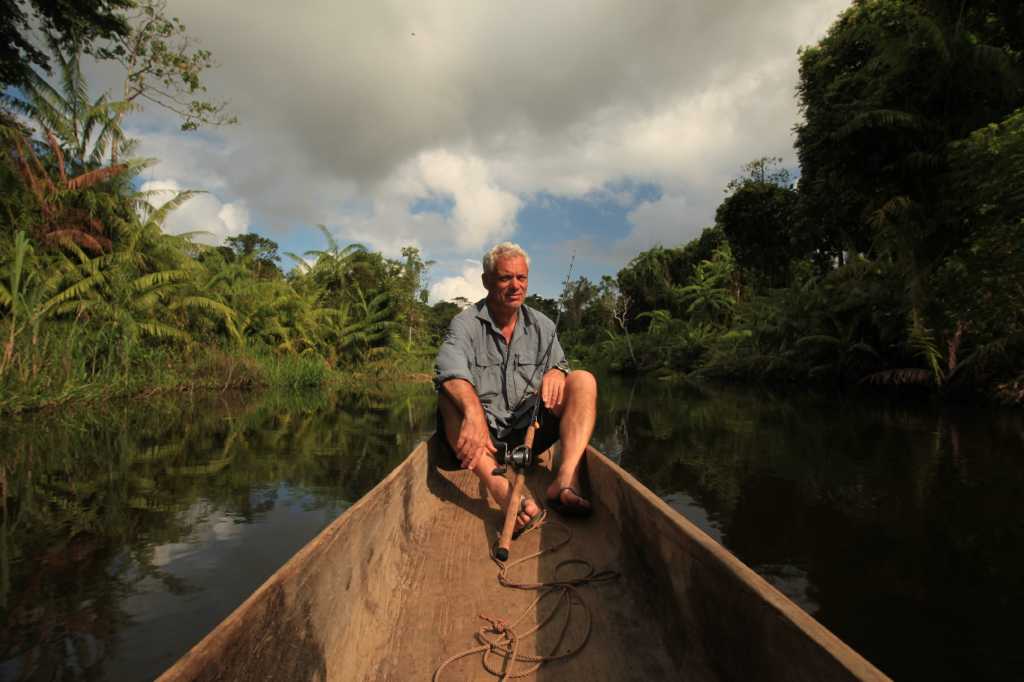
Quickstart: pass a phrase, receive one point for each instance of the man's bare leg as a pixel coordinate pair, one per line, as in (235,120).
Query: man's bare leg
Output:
(577,415)
(498,486)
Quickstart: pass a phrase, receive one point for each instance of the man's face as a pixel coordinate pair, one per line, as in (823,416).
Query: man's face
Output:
(506,286)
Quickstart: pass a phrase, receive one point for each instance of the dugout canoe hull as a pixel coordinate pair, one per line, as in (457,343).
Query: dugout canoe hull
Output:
(395,585)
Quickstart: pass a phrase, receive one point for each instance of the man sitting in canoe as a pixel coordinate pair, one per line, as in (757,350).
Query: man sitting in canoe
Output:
(487,371)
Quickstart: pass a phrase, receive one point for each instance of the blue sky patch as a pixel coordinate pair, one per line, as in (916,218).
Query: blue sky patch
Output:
(442,204)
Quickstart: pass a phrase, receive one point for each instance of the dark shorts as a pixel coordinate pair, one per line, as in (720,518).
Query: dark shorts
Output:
(546,436)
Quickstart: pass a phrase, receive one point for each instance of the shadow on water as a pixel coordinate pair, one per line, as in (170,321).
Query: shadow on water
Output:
(898,527)
(129,531)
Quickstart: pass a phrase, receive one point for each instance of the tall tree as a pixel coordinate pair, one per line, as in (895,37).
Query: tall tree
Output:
(259,252)
(883,95)
(86,128)
(577,297)
(164,67)
(759,219)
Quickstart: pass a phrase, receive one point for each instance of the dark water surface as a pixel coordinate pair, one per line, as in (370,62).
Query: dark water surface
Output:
(130,531)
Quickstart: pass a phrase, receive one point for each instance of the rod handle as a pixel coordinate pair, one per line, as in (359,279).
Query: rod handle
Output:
(505,542)
(531,431)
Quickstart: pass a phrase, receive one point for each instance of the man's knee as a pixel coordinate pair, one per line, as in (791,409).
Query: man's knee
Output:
(581,381)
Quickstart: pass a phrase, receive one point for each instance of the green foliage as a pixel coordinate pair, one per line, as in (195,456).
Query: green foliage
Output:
(648,280)
(548,306)
(898,258)
(96,299)
(257,252)
(711,296)
(759,220)
(884,94)
(297,371)
(164,66)
(81,22)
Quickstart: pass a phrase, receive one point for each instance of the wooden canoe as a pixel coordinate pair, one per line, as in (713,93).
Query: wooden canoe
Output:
(395,586)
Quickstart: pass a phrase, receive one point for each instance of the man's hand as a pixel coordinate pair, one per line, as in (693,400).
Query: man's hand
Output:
(552,388)
(474,441)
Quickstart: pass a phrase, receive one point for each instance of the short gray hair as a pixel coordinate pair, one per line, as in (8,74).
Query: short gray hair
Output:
(503,250)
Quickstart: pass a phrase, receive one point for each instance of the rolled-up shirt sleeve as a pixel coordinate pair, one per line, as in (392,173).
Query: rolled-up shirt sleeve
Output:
(454,356)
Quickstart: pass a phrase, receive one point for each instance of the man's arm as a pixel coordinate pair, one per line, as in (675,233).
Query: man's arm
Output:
(474,436)
(454,378)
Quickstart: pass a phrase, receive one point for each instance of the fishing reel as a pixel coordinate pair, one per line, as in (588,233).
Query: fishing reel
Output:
(519,457)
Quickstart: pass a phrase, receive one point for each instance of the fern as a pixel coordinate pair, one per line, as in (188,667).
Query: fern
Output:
(921,340)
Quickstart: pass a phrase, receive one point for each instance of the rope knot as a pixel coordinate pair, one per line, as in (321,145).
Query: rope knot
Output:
(498,625)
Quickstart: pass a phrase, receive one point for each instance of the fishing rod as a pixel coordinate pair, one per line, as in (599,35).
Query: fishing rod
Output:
(521,457)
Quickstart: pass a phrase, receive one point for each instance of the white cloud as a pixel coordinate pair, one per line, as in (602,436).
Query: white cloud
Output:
(375,105)
(467,285)
(673,219)
(202,213)
(481,212)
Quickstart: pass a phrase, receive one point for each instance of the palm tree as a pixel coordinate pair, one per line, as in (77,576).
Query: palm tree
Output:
(67,205)
(334,267)
(85,129)
(710,297)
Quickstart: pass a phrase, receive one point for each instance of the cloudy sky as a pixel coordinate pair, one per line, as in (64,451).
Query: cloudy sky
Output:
(599,127)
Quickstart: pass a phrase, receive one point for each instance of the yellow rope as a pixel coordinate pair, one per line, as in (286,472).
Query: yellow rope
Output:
(501,640)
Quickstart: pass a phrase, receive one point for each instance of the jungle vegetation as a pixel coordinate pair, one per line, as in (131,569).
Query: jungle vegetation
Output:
(897,256)
(891,258)
(96,299)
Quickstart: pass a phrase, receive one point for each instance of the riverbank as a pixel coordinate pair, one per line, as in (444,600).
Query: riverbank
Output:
(45,383)
(730,357)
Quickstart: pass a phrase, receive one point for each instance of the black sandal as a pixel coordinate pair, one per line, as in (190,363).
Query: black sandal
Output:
(572,510)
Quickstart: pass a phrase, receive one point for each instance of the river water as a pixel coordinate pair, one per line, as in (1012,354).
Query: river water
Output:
(131,530)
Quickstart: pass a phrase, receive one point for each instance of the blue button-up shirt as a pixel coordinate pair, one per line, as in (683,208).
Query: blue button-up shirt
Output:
(505,375)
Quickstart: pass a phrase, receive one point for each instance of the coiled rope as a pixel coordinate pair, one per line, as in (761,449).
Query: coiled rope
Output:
(499,641)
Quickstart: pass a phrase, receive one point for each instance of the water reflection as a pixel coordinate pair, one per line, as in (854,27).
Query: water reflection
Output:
(900,528)
(130,531)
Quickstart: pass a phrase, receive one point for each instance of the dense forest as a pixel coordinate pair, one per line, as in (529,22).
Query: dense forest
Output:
(895,260)
(897,257)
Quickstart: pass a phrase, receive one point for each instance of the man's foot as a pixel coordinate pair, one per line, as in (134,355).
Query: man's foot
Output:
(530,515)
(569,502)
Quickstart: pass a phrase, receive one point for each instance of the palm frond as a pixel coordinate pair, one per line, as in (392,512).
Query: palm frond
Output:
(58,154)
(157,279)
(910,375)
(818,340)
(94,177)
(164,331)
(159,215)
(75,237)
(76,290)
(204,303)
(922,341)
(881,119)
(304,267)
(891,211)
(332,244)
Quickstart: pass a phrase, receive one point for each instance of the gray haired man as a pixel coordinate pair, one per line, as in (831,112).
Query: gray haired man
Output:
(487,374)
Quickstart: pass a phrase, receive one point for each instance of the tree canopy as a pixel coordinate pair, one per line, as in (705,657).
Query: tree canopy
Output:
(78,22)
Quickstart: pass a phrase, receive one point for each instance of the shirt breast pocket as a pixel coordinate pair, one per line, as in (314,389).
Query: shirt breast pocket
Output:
(529,372)
(487,374)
